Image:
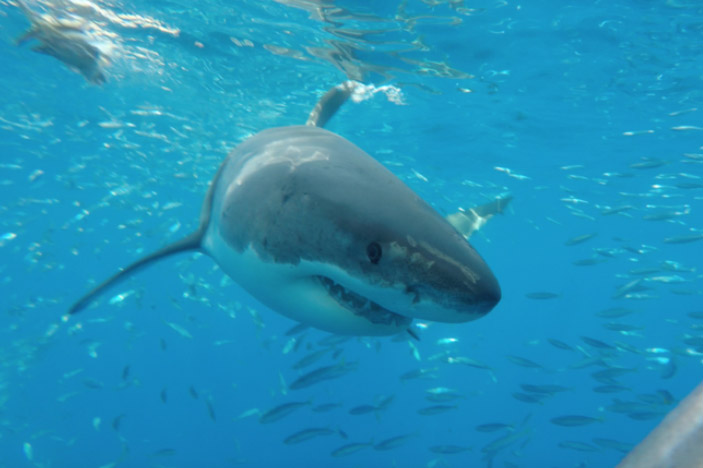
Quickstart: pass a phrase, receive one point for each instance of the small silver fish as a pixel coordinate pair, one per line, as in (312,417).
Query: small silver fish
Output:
(281,411)
(307,434)
(574,420)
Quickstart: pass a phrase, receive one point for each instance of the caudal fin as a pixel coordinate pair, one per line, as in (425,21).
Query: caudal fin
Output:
(192,242)
(466,222)
(330,103)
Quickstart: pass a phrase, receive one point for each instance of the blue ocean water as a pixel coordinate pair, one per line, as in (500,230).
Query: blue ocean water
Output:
(588,114)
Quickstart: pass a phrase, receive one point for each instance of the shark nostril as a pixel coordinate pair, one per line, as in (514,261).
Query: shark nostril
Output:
(374,252)
(415,291)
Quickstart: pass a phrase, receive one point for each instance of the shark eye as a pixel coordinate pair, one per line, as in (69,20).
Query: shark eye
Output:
(374,251)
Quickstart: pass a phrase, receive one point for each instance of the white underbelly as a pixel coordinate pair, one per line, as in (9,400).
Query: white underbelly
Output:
(291,290)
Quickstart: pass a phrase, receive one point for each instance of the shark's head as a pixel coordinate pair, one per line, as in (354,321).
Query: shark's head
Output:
(337,223)
(410,261)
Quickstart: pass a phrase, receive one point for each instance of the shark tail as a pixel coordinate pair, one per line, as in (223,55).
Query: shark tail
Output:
(191,242)
(32,17)
(330,103)
(494,207)
(32,31)
(25,37)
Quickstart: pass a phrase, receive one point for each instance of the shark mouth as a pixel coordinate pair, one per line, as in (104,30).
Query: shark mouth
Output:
(361,306)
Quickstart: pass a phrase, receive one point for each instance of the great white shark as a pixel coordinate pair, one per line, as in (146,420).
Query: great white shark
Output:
(67,40)
(318,230)
(677,442)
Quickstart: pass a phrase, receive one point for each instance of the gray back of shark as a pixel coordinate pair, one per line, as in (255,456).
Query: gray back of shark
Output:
(318,230)
(677,442)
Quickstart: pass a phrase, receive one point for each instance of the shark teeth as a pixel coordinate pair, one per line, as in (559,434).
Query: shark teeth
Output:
(361,306)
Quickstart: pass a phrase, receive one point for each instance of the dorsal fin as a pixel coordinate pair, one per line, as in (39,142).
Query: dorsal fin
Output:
(328,104)
(190,242)
(466,222)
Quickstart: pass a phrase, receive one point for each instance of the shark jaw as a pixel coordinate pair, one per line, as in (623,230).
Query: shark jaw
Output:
(306,292)
(326,296)
(362,306)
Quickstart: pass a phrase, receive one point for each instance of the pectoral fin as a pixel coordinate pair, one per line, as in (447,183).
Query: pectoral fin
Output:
(191,242)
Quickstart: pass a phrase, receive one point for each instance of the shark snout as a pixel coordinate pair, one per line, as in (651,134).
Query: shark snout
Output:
(481,290)
(487,294)
(447,299)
